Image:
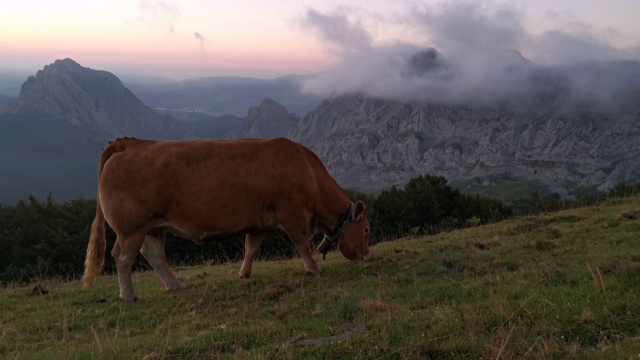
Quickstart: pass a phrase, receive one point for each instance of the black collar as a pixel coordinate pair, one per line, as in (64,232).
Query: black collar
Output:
(330,241)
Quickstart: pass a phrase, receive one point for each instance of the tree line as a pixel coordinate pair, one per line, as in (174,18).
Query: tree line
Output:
(45,239)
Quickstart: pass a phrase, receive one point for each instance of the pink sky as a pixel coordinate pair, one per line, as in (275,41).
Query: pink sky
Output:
(187,38)
(245,37)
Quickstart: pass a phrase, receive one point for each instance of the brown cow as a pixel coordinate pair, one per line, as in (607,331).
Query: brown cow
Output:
(207,190)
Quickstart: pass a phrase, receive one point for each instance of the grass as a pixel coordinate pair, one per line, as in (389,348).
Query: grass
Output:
(559,285)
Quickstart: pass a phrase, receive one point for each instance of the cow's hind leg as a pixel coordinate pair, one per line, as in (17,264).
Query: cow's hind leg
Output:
(252,243)
(153,251)
(124,252)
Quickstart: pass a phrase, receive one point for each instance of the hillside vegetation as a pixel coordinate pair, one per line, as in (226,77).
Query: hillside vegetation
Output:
(558,285)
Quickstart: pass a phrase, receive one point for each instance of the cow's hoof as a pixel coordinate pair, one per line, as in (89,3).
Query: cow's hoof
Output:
(175,288)
(314,273)
(244,276)
(133,299)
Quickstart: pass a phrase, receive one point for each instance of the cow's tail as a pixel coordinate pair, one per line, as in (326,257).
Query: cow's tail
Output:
(96,249)
(97,246)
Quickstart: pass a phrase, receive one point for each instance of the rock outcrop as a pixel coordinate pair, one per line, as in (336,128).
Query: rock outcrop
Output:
(267,121)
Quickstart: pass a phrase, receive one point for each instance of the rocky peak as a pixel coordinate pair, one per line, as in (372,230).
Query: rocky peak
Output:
(92,98)
(423,62)
(267,121)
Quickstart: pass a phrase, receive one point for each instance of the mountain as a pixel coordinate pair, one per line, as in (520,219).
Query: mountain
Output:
(92,99)
(423,62)
(268,120)
(226,95)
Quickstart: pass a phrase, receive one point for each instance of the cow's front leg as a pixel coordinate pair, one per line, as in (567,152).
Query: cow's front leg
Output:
(303,245)
(153,251)
(310,265)
(252,244)
(299,233)
(125,251)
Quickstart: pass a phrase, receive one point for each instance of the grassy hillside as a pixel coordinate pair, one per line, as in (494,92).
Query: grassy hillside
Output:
(560,285)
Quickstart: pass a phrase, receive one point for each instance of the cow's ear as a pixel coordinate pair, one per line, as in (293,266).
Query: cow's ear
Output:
(359,211)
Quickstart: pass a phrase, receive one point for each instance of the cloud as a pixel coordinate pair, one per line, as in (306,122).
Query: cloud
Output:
(478,58)
(337,30)
(558,47)
(159,14)
(201,38)
(158,8)
(461,25)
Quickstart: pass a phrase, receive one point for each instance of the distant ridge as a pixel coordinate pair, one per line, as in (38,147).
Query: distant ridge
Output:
(227,94)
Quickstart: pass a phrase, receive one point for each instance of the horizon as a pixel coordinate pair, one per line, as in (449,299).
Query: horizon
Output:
(253,39)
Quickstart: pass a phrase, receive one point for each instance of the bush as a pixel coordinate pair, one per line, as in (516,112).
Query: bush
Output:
(43,239)
(430,204)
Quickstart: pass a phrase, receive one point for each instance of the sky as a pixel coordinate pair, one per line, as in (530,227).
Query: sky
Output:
(266,39)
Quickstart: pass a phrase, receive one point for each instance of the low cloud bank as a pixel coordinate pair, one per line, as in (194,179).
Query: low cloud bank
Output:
(480,55)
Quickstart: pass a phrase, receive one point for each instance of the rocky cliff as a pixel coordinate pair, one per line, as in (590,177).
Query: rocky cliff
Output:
(370,143)
(92,99)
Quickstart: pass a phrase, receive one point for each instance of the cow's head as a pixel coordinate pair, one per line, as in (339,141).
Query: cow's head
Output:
(355,240)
